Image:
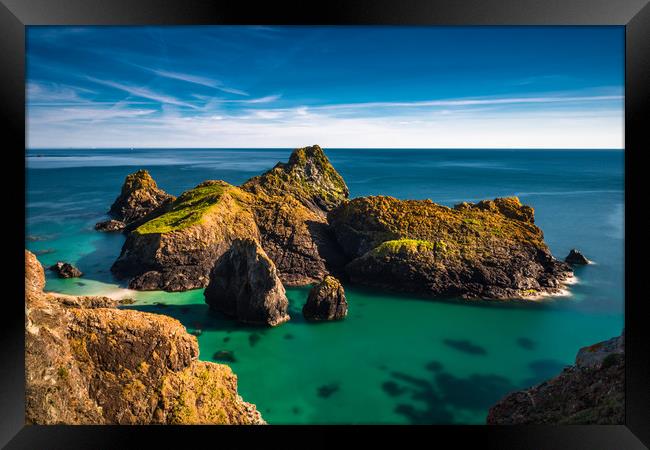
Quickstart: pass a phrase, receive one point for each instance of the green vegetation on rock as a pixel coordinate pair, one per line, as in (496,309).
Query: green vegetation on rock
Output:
(190,207)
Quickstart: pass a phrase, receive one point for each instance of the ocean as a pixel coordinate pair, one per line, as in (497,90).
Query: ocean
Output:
(394,359)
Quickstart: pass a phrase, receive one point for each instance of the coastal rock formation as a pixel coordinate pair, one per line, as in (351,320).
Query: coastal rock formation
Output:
(244,284)
(576,258)
(176,250)
(590,392)
(284,209)
(65,270)
(89,363)
(111,225)
(490,249)
(140,198)
(292,201)
(326,301)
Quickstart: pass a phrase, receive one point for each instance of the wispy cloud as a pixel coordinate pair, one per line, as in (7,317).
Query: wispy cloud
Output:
(196,79)
(471,102)
(142,91)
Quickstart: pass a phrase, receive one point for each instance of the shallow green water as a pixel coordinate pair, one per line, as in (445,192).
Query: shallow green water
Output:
(393,359)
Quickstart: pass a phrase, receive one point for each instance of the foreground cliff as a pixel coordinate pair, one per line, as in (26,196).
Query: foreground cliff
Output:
(89,363)
(590,392)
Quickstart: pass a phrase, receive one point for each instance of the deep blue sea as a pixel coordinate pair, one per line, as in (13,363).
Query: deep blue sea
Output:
(393,359)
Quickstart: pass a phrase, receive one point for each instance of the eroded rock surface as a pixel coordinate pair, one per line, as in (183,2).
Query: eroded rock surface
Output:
(89,363)
(489,250)
(244,284)
(590,392)
(110,226)
(326,301)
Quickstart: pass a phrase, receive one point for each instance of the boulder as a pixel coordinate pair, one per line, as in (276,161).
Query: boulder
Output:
(326,301)
(111,225)
(489,250)
(87,362)
(244,284)
(576,258)
(66,270)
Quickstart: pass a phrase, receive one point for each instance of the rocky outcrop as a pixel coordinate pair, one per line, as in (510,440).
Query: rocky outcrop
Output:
(65,270)
(590,392)
(489,250)
(326,301)
(110,226)
(284,209)
(244,284)
(292,201)
(139,199)
(89,363)
(176,250)
(576,258)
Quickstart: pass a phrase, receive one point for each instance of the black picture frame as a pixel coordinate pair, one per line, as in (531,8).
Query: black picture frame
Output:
(16,14)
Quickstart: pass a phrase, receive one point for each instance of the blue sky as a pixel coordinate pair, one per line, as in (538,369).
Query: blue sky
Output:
(259,86)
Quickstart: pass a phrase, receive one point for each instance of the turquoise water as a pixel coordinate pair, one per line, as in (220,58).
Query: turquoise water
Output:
(394,359)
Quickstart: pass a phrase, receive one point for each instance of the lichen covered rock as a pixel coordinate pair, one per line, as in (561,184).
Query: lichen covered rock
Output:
(176,250)
(89,363)
(244,284)
(292,201)
(326,301)
(284,209)
(489,250)
(588,393)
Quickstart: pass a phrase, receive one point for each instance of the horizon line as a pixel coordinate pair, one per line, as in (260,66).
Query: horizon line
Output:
(331,148)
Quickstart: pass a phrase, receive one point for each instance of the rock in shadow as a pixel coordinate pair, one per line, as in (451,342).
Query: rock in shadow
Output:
(465,346)
(526,343)
(327,390)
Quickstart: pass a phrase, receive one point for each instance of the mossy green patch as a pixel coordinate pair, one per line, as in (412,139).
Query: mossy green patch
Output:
(188,209)
(405,246)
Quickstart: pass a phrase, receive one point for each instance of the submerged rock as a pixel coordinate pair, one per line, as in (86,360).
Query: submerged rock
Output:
(89,363)
(111,225)
(326,301)
(489,250)
(66,270)
(590,392)
(244,284)
(576,258)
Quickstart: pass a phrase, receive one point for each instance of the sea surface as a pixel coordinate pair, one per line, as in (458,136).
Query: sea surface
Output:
(393,360)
